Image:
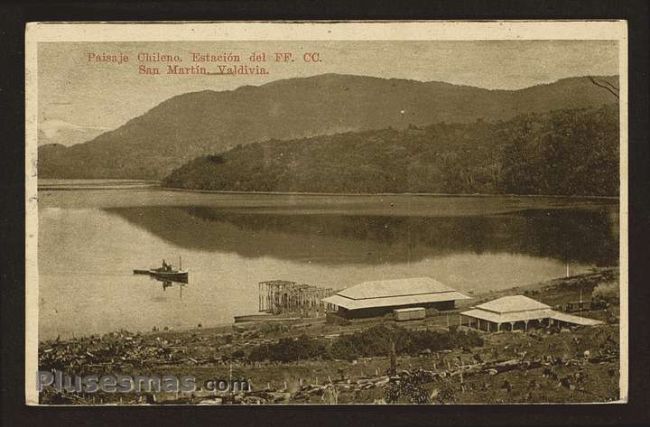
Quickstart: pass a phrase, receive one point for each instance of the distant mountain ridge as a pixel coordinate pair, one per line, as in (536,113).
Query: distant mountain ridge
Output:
(190,125)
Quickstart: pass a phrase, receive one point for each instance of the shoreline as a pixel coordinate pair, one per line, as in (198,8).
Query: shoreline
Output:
(450,195)
(302,361)
(476,298)
(118,184)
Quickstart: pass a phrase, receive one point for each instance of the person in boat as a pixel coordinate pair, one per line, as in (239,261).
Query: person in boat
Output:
(165,266)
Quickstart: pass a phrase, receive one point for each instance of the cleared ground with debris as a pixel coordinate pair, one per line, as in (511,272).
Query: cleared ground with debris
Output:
(371,361)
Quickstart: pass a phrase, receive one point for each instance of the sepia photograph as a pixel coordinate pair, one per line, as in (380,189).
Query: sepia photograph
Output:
(350,213)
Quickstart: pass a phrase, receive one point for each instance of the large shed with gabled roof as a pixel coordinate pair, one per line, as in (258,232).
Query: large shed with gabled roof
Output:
(376,298)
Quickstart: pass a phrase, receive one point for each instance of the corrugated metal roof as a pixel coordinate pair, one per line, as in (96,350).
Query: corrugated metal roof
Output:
(355,304)
(395,288)
(570,318)
(507,317)
(511,304)
(529,315)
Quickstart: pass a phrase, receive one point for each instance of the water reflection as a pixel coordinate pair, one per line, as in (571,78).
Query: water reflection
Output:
(87,255)
(167,283)
(587,236)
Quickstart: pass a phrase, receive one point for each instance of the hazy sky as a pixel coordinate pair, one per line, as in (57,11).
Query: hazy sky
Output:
(78,98)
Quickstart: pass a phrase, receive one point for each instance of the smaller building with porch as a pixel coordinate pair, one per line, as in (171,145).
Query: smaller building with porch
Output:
(519,312)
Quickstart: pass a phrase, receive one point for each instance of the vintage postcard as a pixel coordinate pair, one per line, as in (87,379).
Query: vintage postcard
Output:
(326,213)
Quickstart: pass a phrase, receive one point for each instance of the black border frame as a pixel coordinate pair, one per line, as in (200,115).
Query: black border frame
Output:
(13,18)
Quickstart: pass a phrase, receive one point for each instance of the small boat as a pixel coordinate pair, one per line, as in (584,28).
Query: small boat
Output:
(173,275)
(166,272)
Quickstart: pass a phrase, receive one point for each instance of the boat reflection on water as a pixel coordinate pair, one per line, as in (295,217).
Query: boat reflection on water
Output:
(166,283)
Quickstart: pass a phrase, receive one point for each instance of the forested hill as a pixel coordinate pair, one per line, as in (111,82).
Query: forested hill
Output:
(195,124)
(564,152)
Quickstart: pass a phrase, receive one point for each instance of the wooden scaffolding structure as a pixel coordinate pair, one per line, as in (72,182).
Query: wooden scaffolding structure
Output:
(282,296)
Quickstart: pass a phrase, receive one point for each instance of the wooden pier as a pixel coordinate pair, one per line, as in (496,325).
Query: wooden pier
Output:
(282,296)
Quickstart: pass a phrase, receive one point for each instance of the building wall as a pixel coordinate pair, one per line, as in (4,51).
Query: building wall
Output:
(382,311)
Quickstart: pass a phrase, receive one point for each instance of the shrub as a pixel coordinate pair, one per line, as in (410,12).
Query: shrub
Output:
(607,291)
(375,341)
(289,350)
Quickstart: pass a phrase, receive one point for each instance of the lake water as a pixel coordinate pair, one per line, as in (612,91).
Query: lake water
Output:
(90,240)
